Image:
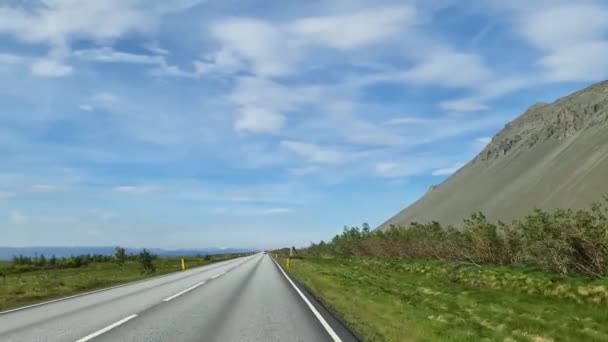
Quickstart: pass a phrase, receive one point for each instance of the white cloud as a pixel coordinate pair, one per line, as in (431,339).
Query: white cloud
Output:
(7,58)
(50,68)
(259,120)
(222,61)
(263,103)
(137,190)
(580,62)
(448,170)
(58,21)
(407,120)
(154,48)
(451,69)
(463,105)
(315,153)
(572,37)
(6,195)
(481,142)
(109,55)
(364,27)
(262,45)
(561,27)
(86,107)
(17,217)
(104,214)
(46,188)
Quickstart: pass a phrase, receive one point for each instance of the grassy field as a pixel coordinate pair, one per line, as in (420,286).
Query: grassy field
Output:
(405,300)
(18,289)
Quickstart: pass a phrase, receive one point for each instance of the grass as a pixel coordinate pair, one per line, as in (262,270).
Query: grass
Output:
(18,289)
(408,300)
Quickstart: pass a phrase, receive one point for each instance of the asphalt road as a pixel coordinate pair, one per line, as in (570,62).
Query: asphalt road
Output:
(245,299)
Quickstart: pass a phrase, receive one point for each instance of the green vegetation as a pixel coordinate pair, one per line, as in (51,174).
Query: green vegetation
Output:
(29,280)
(541,278)
(386,299)
(563,241)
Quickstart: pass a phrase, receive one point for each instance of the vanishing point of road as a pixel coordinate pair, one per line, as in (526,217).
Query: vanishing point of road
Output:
(244,299)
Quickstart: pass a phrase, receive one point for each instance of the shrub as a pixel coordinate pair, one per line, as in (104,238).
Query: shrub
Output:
(563,241)
(146,264)
(120,255)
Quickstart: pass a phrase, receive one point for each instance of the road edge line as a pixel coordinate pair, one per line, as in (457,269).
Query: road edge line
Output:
(106,329)
(314,310)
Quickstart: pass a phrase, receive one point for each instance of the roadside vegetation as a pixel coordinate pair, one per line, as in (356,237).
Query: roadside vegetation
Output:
(541,278)
(26,280)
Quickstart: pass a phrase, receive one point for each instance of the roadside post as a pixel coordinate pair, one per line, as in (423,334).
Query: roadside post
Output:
(183,264)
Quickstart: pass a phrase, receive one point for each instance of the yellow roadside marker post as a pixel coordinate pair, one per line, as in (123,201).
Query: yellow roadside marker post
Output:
(183,264)
(288,260)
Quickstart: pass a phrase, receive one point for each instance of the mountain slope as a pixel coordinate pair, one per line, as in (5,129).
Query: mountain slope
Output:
(553,156)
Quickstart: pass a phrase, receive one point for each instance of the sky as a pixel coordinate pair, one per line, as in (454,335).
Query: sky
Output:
(252,123)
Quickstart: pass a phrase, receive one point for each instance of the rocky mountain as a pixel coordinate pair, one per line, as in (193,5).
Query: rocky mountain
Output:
(553,156)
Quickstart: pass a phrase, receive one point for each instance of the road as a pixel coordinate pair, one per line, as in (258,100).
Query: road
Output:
(244,299)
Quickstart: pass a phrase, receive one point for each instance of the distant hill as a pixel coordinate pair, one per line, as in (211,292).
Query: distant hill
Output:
(8,252)
(553,156)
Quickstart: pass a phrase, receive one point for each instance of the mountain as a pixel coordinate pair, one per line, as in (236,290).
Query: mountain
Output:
(553,156)
(8,252)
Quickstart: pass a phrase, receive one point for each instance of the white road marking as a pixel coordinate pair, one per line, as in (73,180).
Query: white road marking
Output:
(217,275)
(106,329)
(324,323)
(184,291)
(112,287)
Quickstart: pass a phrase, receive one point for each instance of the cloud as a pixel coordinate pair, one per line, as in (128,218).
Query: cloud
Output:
(315,153)
(109,55)
(262,103)
(154,48)
(450,69)
(50,68)
(56,22)
(260,44)
(572,37)
(46,188)
(7,58)
(448,170)
(483,140)
(363,27)
(17,217)
(580,62)
(104,214)
(463,105)
(259,120)
(86,107)
(6,195)
(408,120)
(546,28)
(137,189)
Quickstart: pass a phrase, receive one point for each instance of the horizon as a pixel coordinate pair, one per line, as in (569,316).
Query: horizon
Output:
(218,124)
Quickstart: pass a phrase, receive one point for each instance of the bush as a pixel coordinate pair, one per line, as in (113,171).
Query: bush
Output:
(146,259)
(120,255)
(563,241)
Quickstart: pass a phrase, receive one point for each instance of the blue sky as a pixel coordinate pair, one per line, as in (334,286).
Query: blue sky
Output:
(188,123)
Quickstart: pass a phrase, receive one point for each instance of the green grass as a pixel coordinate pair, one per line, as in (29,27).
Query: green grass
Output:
(18,289)
(405,300)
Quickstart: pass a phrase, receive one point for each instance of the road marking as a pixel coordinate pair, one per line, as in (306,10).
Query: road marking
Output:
(106,329)
(217,275)
(217,264)
(184,291)
(324,323)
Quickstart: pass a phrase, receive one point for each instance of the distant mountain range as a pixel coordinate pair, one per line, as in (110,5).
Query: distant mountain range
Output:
(553,156)
(8,252)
